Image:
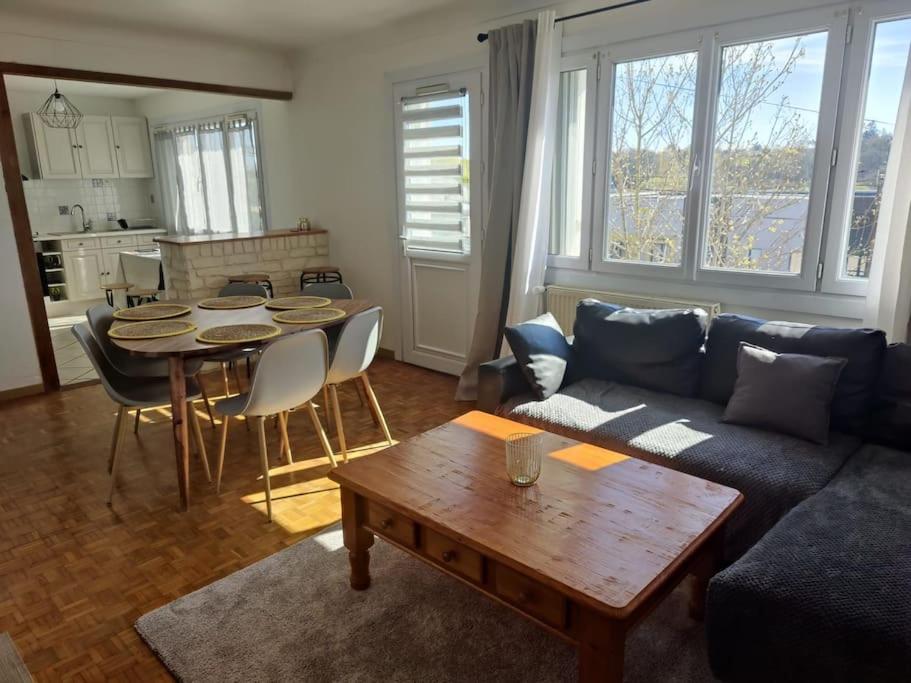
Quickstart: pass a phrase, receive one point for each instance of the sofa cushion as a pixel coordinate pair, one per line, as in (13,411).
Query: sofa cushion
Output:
(789,393)
(825,595)
(862,348)
(652,349)
(542,352)
(891,420)
(773,471)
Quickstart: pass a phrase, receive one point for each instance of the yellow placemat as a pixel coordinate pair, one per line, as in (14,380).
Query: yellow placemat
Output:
(152,312)
(309,316)
(151,329)
(229,302)
(238,334)
(292,302)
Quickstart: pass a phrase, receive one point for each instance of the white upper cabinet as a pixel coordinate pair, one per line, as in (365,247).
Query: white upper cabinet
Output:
(131,139)
(97,154)
(55,150)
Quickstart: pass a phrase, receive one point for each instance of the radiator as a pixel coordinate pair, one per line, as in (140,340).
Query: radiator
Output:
(561,301)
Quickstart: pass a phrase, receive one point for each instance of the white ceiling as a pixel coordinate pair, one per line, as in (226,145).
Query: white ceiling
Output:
(46,85)
(280,24)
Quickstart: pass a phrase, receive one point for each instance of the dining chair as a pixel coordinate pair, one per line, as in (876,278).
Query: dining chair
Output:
(289,374)
(135,393)
(100,319)
(234,356)
(356,349)
(330,290)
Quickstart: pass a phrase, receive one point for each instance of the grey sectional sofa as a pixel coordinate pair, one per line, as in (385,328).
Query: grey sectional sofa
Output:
(818,582)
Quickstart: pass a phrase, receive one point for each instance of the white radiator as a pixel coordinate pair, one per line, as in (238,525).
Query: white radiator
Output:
(561,301)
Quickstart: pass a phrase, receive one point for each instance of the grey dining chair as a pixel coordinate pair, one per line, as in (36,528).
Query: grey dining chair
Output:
(233,357)
(135,392)
(330,290)
(289,374)
(356,349)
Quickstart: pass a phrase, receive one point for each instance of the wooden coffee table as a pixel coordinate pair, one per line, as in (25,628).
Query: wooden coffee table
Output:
(586,553)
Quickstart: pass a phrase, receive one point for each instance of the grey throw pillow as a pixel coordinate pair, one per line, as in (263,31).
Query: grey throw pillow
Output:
(543,353)
(790,393)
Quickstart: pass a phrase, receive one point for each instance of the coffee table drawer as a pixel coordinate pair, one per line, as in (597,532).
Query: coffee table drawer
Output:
(530,596)
(390,524)
(455,556)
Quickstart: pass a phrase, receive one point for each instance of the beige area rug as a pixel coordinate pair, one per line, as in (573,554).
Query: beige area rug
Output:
(292,616)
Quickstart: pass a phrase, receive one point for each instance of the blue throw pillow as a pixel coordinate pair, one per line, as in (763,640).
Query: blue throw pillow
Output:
(541,349)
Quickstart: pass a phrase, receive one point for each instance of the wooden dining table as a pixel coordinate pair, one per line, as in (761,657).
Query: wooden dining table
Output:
(184,347)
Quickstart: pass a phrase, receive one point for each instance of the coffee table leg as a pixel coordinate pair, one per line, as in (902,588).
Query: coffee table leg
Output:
(704,569)
(601,648)
(357,539)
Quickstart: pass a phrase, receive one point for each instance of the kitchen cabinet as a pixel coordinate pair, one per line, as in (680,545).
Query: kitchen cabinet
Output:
(55,150)
(131,140)
(84,271)
(97,152)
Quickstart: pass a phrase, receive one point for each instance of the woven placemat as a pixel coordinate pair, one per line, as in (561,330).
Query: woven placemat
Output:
(152,312)
(238,334)
(291,302)
(309,316)
(151,329)
(229,302)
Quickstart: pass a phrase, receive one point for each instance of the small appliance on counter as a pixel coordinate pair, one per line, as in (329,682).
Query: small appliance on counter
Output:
(136,224)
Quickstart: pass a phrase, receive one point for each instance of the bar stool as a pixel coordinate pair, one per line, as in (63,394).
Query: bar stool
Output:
(320,274)
(137,297)
(112,287)
(261,279)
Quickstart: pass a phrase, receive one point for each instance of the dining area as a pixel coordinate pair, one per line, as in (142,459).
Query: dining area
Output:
(278,358)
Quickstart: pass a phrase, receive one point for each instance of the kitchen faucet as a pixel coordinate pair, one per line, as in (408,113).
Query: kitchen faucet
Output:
(86,224)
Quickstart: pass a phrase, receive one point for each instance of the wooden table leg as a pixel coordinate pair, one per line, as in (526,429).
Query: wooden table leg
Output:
(357,539)
(704,568)
(181,432)
(601,648)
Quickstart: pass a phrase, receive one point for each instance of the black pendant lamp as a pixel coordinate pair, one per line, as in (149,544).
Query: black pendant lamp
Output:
(59,112)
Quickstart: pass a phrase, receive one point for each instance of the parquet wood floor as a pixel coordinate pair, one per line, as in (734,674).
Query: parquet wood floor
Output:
(75,574)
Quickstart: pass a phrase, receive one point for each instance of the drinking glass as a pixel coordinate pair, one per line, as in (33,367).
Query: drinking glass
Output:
(524,455)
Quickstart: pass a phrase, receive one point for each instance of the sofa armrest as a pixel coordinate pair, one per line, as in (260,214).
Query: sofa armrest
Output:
(498,381)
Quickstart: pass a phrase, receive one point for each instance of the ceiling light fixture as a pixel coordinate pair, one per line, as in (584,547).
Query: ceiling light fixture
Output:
(59,112)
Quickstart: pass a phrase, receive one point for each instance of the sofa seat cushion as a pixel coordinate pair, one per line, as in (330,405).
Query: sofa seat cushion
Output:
(826,595)
(773,471)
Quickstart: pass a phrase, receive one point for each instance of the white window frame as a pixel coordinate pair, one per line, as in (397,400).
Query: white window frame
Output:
(587,61)
(857,74)
(677,43)
(835,21)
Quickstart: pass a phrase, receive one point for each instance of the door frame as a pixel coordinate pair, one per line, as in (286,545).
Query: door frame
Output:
(15,193)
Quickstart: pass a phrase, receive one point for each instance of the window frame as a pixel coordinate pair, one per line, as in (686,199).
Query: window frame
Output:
(587,61)
(859,60)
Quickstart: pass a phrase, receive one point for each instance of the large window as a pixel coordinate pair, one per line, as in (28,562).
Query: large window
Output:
(210,178)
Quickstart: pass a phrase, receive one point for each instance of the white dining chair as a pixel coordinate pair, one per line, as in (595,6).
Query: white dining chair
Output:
(354,352)
(289,373)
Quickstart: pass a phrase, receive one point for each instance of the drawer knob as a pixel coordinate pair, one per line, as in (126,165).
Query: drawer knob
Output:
(385,524)
(448,555)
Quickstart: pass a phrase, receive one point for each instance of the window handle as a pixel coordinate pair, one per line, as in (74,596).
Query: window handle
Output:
(696,169)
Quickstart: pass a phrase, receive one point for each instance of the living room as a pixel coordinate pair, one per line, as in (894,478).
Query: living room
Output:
(597,311)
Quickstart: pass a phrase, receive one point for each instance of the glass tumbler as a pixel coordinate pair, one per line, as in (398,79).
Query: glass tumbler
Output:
(524,455)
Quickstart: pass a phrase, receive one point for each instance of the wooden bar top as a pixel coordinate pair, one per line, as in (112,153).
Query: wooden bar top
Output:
(181,240)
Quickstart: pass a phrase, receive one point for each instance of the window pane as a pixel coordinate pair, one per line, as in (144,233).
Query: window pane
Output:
(212,151)
(887,70)
(651,134)
(569,159)
(762,165)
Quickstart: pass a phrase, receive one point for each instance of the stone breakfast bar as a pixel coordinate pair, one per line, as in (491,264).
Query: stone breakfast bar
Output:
(197,266)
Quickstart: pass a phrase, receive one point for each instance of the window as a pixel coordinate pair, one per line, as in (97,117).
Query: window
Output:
(209,172)
(569,166)
(763,153)
(435,171)
(651,134)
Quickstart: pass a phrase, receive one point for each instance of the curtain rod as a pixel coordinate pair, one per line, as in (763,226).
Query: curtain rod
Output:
(483,36)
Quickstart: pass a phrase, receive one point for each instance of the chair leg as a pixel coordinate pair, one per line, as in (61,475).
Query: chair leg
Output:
(205,400)
(376,407)
(286,442)
(339,427)
(225,421)
(136,421)
(324,441)
(237,378)
(264,459)
(327,406)
(119,431)
(224,379)
(121,410)
(360,397)
(200,444)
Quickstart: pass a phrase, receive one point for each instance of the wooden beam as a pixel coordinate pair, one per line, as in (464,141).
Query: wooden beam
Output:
(22,231)
(63,74)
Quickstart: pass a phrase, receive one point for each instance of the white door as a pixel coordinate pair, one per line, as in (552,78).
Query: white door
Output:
(84,272)
(56,150)
(95,136)
(111,260)
(131,139)
(439,171)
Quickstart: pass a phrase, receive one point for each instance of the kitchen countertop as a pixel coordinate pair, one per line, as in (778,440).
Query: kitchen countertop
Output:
(96,234)
(231,237)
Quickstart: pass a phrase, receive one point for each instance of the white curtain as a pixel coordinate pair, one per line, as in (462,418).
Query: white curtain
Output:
(530,257)
(889,295)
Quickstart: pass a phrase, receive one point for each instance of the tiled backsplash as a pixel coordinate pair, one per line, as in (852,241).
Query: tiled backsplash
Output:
(104,202)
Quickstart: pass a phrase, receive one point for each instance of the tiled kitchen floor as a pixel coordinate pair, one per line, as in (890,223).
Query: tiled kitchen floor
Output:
(73,365)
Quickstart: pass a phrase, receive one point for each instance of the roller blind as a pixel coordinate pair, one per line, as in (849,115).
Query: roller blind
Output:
(434,161)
